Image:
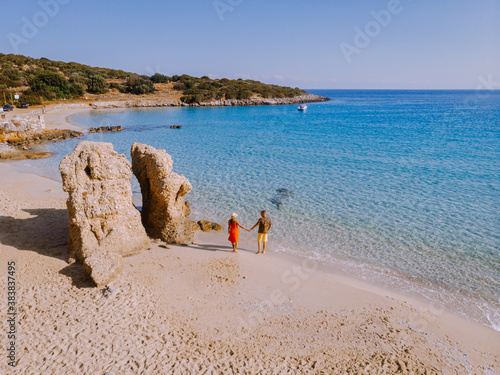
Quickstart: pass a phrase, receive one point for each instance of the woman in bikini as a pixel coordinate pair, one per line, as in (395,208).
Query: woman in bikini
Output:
(232,229)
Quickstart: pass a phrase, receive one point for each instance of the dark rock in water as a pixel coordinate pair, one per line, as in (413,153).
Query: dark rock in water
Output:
(104,129)
(284,192)
(278,198)
(276,202)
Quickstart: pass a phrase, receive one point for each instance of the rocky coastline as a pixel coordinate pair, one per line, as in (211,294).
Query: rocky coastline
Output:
(106,129)
(19,133)
(18,145)
(138,103)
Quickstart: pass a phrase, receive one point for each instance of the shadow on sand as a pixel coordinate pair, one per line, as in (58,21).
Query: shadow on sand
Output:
(208,247)
(46,233)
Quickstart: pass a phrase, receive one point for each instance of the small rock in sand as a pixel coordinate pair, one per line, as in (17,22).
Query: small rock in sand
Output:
(205,226)
(216,227)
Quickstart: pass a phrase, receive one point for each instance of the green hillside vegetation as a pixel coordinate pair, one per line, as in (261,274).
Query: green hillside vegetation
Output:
(204,89)
(38,80)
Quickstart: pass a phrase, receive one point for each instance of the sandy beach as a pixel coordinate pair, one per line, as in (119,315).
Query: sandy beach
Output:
(203,309)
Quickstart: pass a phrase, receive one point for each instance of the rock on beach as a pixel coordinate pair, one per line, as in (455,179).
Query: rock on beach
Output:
(102,218)
(165,214)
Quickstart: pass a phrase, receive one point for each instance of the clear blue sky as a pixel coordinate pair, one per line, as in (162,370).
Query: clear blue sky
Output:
(427,44)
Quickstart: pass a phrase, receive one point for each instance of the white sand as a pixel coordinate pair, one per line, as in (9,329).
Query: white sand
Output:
(206,310)
(57,118)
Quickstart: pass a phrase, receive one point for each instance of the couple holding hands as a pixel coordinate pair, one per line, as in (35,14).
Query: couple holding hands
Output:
(264,224)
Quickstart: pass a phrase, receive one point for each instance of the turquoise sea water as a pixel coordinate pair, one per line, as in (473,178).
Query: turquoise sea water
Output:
(397,187)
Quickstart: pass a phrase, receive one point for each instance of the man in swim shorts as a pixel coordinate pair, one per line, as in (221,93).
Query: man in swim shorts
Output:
(265,225)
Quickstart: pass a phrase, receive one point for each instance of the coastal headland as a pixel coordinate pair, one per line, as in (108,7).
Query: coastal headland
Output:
(167,102)
(31,88)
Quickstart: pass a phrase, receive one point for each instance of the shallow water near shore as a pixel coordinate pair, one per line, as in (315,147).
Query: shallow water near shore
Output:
(395,187)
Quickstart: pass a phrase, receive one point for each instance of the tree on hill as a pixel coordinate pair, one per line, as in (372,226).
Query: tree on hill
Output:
(96,84)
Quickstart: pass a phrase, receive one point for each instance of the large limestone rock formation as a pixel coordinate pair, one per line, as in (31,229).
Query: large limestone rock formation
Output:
(165,215)
(102,218)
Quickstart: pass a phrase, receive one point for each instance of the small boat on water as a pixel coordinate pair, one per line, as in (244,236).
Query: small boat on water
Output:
(302,107)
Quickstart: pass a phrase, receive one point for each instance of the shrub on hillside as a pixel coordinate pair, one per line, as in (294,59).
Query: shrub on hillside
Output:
(10,77)
(139,85)
(76,90)
(244,94)
(50,85)
(119,86)
(96,84)
(179,87)
(189,99)
(159,78)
